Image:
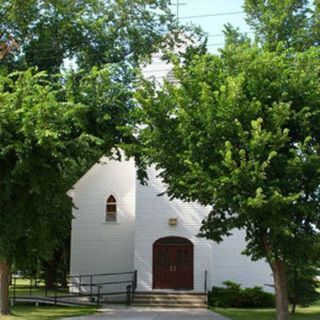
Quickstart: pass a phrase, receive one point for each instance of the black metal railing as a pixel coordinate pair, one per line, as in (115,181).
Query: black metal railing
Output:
(93,286)
(129,294)
(131,288)
(206,285)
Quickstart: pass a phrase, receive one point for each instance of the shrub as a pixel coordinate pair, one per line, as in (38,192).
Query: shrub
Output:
(232,295)
(303,285)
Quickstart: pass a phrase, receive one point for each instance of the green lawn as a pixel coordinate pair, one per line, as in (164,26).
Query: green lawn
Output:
(311,313)
(23,289)
(46,312)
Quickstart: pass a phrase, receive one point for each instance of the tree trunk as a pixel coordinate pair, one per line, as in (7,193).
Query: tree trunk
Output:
(64,280)
(4,287)
(50,268)
(293,309)
(280,282)
(65,265)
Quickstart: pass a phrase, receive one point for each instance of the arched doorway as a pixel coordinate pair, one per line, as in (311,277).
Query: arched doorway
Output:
(173,263)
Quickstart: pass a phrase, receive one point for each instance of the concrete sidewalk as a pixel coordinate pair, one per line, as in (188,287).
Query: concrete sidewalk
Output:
(134,313)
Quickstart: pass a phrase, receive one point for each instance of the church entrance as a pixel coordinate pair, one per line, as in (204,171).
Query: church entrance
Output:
(173,264)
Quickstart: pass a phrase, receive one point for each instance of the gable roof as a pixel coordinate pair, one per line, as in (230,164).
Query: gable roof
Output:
(85,177)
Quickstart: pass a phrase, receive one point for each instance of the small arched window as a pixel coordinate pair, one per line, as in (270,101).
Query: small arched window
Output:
(111,209)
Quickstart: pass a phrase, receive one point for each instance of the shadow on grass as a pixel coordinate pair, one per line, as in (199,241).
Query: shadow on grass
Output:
(28,312)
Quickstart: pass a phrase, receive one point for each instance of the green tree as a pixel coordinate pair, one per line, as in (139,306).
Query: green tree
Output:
(90,33)
(303,285)
(240,133)
(292,22)
(40,143)
(48,138)
(53,128)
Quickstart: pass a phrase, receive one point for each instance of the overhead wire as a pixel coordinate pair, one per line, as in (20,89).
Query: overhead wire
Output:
(212,15)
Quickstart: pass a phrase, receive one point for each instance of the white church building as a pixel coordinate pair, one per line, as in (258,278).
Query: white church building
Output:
(120,225)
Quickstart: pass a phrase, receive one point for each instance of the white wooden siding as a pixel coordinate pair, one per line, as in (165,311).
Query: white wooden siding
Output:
(98,246)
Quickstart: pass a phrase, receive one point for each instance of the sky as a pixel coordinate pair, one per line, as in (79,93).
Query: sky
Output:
(214,24)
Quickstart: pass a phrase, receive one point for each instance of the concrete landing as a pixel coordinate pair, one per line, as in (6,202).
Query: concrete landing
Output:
(136,313)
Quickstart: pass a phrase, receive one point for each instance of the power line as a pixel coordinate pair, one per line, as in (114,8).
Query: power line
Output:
(213,15)
(43,57)
(178,4)
(215,35)
(49,48)
(103,45)
(222,34)
(215,44)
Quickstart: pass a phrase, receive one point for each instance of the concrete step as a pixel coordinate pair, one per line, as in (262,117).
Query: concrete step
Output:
(180,306)
(168,302)
(171,292)
(170,299)
(170,295)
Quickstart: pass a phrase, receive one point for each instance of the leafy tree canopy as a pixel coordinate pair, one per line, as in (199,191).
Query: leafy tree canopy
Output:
(52,128)
(50,133)
(241,133)
(90,33)
(295,23)
(303,285)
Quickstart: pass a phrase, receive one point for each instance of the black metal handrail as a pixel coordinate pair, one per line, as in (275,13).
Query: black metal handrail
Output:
(205,280)
(129,294)
(206,285)
(100,274)
(100,283)
(134,285)
(135,280)
(97,293)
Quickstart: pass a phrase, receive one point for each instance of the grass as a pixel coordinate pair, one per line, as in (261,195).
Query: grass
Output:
(28,312)
(31,312)
(311,313)
(23,289)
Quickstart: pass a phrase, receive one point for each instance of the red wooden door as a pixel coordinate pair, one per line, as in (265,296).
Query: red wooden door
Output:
(173,264)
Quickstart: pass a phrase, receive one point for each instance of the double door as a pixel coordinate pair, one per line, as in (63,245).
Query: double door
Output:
(173,266)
